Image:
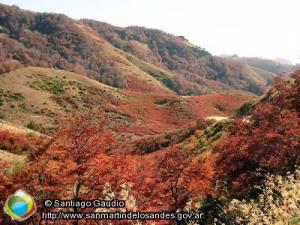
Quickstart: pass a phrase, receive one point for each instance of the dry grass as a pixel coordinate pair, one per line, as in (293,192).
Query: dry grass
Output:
(12,162)
(39,105)
(13,128)
(6,157)
(142,113)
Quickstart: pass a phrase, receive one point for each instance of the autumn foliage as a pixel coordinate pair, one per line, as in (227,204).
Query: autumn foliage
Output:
(81,159)
(146,139)
(269,142)
(17,143)
(93,48)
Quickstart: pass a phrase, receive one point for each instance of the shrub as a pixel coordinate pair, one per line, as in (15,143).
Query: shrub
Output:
(34,126)
(268,142)
(278,204)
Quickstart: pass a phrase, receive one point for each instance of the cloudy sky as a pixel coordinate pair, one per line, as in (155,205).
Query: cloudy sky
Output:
(263,28)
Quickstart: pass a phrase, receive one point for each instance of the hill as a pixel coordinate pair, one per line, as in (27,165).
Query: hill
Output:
(272,66)
(40,98)
(131,58)
(228,160)
(142,115)
(183,58)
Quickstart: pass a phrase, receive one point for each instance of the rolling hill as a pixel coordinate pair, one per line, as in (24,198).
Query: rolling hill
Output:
(133,58)
(89,111)
(266,65)
(39,98)
(186,60)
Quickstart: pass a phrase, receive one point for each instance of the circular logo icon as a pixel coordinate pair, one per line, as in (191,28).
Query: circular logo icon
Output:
(20,206)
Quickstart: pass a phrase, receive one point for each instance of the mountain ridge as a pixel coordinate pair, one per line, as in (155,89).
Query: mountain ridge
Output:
(270,65)
(57,41)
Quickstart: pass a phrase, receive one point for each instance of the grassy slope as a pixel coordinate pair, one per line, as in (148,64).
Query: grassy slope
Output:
(45,96)
(38,88)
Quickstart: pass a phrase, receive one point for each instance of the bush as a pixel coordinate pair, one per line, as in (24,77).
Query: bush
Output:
(268,142)
(34,126)
(278,204)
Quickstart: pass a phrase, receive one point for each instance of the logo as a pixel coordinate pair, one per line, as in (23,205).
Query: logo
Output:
(20,206)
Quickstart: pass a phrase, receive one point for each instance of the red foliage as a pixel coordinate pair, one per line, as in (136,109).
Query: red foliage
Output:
(5,190)
(167,179)
(149,114)
(270,142)
(18,143)
(78,161)
(67,166)
(201,175)
(78,143)
(135,84)
(173,178)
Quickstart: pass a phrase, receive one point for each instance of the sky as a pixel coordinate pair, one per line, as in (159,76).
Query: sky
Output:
(260,28)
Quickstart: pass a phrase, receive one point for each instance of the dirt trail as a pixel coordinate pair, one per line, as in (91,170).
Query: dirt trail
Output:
(217,118)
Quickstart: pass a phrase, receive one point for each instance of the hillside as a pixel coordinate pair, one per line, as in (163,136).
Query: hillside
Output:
(266,65)
(183,58)
(133,58)
(89,111)
(40,98)
(236,160)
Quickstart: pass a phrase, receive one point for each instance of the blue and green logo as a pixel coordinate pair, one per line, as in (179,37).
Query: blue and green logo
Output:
(20,206)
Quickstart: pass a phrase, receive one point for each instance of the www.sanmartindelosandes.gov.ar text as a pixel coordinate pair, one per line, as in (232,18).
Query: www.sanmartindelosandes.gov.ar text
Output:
(64,215)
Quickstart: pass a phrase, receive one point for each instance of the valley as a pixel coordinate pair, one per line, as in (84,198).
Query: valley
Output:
(90,110)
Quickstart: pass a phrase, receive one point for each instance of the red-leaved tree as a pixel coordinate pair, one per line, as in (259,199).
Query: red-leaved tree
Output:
(268,143)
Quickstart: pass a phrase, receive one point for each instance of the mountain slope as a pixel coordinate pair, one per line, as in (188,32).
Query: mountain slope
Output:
(266,64)
(40,98)
(133,58)
(182,58)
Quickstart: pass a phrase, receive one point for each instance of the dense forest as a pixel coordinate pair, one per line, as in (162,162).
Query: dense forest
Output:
(100,51)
